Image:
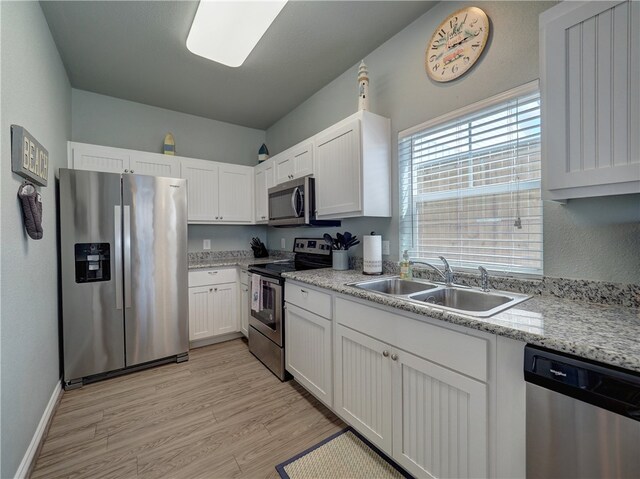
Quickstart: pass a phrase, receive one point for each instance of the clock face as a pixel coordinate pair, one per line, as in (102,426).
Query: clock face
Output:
(456,44)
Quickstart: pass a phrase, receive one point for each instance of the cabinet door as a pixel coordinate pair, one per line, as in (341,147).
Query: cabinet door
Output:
(225,309)
(439,420)
(202,188)
(338,171)
(155,164)
(200,312)
(236,194)
(363,385)
(308,351)
(99,158)
(590,72)
(302,160)
(244,310)
(284,168)
(261,198)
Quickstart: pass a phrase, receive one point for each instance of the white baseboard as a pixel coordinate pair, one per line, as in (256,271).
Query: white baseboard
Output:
(29,455)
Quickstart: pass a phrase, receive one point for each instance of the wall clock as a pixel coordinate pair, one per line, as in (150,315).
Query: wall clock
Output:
(457,44)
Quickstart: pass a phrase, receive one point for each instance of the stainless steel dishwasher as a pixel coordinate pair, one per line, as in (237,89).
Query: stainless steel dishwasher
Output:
(583,418)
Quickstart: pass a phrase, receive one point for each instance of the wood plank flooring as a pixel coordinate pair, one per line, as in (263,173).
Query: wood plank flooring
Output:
(221,414)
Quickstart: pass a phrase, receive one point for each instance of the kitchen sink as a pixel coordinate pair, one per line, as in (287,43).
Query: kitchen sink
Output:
(461,299)
(394,286)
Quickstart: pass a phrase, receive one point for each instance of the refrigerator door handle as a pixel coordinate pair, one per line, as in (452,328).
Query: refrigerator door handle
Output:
(117,246)
(127,256)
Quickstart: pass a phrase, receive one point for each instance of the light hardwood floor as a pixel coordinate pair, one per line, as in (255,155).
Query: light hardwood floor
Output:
(221,414)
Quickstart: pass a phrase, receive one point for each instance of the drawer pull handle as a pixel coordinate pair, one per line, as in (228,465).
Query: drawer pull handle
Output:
(385,353)
(213,272)
(394,357)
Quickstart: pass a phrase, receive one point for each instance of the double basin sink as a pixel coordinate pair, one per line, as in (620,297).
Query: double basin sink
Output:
(460,299)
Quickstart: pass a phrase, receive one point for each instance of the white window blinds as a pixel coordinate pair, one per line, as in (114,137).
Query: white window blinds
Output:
(470,186)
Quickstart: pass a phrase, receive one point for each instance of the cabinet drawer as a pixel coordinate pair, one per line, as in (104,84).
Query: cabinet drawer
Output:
(454,350)
(309,299)
(212,276)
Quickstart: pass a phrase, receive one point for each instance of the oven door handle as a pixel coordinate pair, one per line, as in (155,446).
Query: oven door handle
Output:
(268,280)
(294,202)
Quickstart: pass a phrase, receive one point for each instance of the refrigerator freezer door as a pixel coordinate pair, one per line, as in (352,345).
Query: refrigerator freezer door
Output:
(92,314)
(154,212)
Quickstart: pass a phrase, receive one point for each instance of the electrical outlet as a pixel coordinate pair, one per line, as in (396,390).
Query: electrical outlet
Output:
(283,243)
(385,248)
(206,244)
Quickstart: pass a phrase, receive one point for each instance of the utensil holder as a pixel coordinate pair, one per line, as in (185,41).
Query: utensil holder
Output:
(340,260)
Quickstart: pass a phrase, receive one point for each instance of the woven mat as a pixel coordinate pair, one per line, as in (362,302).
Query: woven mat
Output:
(343,455)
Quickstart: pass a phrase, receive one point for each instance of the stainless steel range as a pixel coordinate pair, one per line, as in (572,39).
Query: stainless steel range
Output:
(266,323)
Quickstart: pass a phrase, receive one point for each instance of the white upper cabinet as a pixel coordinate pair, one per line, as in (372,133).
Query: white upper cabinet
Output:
(218,192)
(83,156)
(235,193)
(264,179)
(202,190)
(154,164)
(353,168)
(590,79)
(98,158)
(295,162)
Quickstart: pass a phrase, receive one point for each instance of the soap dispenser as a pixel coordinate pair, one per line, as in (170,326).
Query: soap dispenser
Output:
(405,266)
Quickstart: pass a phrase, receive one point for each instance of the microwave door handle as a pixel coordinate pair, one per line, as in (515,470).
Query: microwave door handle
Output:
(294,202)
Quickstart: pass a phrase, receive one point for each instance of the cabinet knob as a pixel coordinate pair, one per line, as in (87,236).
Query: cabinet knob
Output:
(385,353)
(126,171)
(131,171)
(210,289)
(394,357)
(216,289)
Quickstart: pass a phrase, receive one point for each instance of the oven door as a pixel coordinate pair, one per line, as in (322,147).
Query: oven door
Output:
(267,318)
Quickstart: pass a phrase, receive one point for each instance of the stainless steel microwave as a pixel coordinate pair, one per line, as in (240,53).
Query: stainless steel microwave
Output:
(294,204)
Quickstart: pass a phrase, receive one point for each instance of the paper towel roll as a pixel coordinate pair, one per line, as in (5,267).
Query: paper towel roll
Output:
(372,261)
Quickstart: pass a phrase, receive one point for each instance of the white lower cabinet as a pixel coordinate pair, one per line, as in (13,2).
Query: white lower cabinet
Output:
(363,385)
(431,420)
(213,303)
(308,354)
(439,420)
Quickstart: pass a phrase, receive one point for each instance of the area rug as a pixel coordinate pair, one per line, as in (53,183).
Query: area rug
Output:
(346,454)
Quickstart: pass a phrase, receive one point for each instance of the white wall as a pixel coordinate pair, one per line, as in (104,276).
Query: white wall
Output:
(36,94)
(401,90)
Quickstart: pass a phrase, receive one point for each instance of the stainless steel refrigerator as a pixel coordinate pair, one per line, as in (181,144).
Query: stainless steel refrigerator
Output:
(123,253)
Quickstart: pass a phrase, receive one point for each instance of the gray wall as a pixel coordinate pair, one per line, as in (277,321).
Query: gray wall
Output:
(104,120)
(225,238)
(401,90)
(35,94)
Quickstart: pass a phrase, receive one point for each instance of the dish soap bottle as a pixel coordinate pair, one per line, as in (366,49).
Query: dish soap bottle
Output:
(405,266)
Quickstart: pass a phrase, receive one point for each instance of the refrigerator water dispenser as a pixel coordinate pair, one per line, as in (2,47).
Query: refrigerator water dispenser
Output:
(92,262)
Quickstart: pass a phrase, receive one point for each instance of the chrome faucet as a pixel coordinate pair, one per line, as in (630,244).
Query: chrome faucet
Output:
(446,275)
(484,275)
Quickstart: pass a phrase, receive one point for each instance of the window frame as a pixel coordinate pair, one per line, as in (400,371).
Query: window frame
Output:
(406,169)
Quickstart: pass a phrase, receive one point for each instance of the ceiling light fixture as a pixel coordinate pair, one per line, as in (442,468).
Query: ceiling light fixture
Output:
(227,31)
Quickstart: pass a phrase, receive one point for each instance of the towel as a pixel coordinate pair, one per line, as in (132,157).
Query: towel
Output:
(255,292)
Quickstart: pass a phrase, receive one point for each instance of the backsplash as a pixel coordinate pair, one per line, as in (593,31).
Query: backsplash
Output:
(578,290)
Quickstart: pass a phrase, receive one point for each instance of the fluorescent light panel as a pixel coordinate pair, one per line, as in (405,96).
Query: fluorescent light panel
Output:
(227,32)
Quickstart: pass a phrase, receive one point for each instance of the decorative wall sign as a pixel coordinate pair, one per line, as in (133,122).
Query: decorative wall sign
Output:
(29,158)
(457,44)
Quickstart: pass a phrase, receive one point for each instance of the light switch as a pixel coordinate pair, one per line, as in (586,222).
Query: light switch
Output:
(385,248)
(206,244)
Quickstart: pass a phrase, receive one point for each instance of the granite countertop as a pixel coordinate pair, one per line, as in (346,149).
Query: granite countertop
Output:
(601,332)
(243,262)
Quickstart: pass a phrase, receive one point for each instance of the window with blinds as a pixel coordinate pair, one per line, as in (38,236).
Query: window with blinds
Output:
(470,186)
